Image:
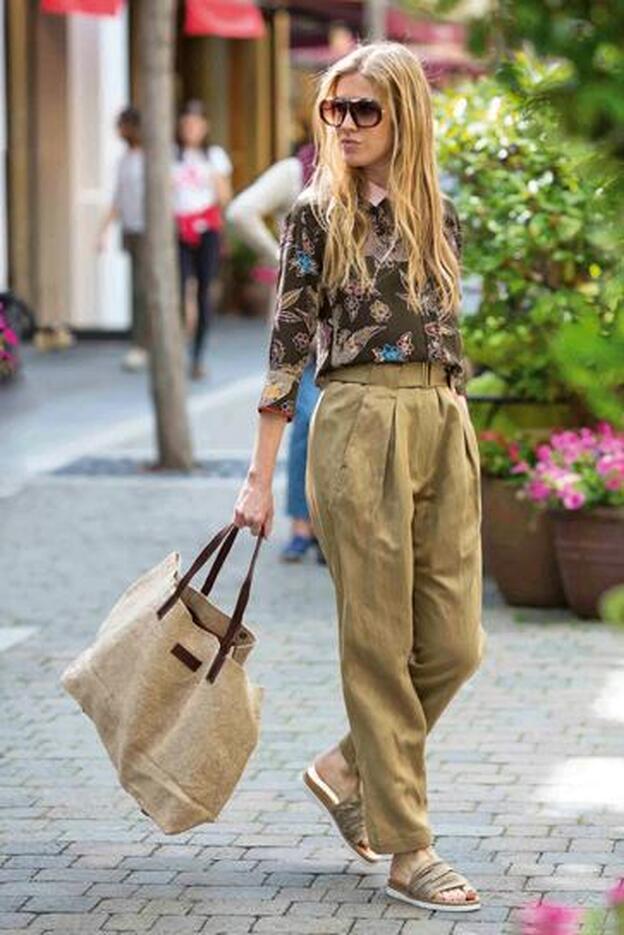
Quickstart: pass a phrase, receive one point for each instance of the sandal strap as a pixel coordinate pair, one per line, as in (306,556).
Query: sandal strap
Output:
(435,878)
(349,816)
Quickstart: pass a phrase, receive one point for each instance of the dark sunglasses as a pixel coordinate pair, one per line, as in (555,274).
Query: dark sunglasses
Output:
(363,111)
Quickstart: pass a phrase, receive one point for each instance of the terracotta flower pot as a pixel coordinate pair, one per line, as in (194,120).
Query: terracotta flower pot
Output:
(590,553)
(518,547)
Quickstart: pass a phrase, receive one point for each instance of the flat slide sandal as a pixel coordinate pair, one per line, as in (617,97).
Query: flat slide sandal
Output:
(347,816)
(427,882)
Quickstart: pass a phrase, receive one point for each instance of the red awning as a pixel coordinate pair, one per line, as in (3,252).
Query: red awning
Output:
(231,19)
(93,7)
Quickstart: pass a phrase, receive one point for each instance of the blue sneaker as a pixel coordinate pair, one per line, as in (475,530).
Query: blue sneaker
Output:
(296,549)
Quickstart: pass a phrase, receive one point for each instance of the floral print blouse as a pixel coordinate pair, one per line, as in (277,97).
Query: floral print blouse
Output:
(353,325)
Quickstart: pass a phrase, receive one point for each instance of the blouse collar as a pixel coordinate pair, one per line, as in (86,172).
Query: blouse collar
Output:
(375,194)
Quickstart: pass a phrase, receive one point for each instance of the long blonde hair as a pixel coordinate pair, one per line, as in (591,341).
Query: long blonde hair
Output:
(413,188)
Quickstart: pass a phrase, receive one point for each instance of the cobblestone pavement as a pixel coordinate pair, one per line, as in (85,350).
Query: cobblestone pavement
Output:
(525,769)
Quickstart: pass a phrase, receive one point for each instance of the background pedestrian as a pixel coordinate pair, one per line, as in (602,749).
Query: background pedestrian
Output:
(127,208)
(201,189)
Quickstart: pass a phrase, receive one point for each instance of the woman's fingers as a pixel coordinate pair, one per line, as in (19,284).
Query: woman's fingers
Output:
(255,510)
(256,521)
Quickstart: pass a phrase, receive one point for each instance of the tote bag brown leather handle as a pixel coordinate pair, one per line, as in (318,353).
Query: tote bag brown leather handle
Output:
(225,539)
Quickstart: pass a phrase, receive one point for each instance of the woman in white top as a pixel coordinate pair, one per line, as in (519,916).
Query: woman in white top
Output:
(201,188)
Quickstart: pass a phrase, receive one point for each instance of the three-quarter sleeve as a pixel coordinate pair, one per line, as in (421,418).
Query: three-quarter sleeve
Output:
(296,310)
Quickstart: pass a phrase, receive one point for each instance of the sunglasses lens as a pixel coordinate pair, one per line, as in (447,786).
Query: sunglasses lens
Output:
(366,113)
(332,112)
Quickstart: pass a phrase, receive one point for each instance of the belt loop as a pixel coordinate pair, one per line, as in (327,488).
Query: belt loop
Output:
(428,378)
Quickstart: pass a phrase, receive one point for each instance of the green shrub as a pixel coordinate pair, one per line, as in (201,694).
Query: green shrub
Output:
(538,230)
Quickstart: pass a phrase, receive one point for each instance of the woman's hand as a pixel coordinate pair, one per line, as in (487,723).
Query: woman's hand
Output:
(254,506)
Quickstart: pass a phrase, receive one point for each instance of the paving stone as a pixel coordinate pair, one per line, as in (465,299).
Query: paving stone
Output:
(376,927)
(322,926)
(311,909)
(218,890)
(479,928)
(220,906)
(172,925)
(228,925)
(426,926)
(133,922)
(15,920)
(80,923)
(113,890)
(10,902)
(61,904)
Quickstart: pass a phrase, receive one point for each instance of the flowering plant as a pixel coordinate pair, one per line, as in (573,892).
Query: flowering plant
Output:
(9,360)
(542,918)
(576,469)
(504,457)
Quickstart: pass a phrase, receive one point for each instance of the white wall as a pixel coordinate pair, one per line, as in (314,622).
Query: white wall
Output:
(98,89)
(3,158)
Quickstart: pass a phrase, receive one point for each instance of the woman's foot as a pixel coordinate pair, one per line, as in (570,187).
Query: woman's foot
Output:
(405,868)
(301,541)
(334,785)
(296,549)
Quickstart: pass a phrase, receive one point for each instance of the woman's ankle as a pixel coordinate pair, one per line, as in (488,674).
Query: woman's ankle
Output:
(335,768)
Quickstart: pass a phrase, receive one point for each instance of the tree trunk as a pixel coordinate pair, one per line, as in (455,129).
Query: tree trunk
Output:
(167,347)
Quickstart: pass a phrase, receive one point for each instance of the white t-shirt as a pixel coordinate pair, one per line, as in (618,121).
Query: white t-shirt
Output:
(128,197)
(194,178)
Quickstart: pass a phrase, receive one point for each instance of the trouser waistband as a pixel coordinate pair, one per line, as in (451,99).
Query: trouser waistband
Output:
(415,373)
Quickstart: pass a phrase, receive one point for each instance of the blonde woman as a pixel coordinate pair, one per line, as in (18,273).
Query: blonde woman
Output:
(370,268)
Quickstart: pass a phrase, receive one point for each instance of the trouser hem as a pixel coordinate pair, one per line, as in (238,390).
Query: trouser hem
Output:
(402,844)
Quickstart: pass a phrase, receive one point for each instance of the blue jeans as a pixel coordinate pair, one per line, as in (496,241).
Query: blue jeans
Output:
(297,506)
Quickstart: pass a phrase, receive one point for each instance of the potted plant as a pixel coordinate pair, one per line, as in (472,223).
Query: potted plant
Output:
(578,477)
(518,545)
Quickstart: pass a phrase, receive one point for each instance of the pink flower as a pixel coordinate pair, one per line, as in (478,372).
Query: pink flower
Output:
(615,482)
(615,896)
(9,336)
(550,919)
(538,491)
(610,462)
(544,452)
(572,499)
(522,467)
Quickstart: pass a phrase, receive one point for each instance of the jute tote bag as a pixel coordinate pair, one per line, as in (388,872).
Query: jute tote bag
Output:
(166,687)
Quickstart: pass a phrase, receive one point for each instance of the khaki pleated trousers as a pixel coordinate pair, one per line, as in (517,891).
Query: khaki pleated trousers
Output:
(393,488)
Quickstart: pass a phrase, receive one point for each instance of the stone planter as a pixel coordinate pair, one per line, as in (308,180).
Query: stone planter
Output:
(590,553)
(518,547)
